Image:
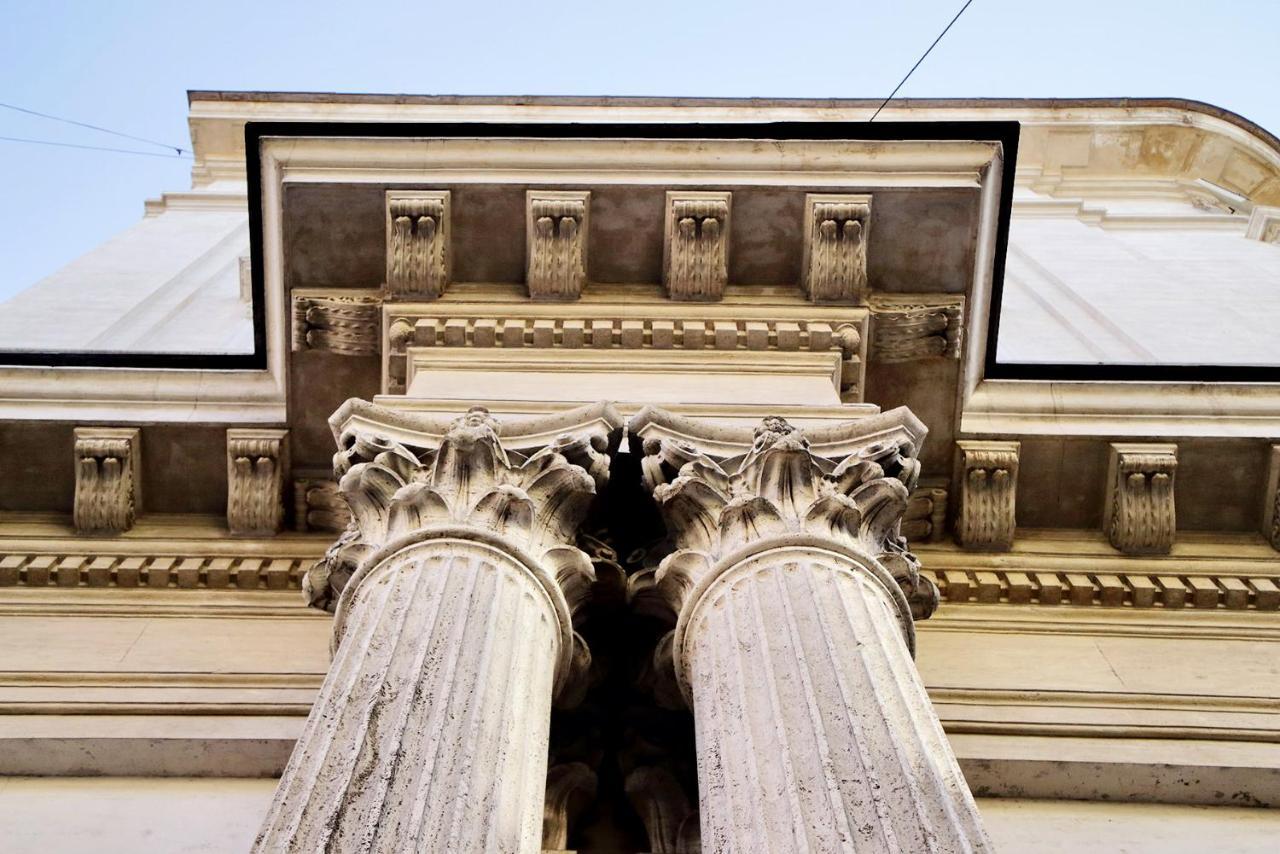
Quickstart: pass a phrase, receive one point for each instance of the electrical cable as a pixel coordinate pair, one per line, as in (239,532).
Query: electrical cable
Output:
(94,147)
(178,149)
(918,61)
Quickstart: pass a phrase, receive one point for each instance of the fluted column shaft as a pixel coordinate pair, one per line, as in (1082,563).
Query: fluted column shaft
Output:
(430,732)
(814,730)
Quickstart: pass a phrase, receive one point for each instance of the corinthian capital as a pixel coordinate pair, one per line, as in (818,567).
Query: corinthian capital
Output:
(527,487)
(722,490)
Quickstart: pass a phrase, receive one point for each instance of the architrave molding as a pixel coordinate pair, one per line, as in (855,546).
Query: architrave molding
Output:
(653,325)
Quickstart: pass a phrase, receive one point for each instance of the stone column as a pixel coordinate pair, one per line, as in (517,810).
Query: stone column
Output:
(796,598)
(454,590)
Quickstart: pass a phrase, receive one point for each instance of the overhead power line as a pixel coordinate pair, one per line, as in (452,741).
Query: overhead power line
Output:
(920,60)
(94,147)
(179,150)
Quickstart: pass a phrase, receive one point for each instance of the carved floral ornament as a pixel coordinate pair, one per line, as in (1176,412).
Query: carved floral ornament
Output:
(463,477)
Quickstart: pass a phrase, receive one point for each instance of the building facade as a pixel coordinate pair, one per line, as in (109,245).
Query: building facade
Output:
(635,475)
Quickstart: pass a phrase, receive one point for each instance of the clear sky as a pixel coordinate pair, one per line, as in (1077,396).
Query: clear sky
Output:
(127,65)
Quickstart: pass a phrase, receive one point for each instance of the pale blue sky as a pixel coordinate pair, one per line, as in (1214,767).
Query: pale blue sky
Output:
(127,65)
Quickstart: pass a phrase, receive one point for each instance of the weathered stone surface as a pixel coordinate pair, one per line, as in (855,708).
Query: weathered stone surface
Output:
(257,465)
(837,229)
(108,479)
(796,596)
(558,223)
(697,245)
(455,588)
(418,243)
(1139,514)
(988,494)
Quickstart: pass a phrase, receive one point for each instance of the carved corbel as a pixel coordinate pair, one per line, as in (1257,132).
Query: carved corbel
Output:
(318,506)
(696,257)
(835,248)
(1264,224)
(570,788)
(257,464)
(909,327)
(926,518)
(557,228)
(1139,512)
(418,248)
(1271,499)
(108,479)
(660,801)
(345,324)
(988,492)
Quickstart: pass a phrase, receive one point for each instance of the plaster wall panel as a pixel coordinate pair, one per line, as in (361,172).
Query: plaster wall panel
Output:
(1061,483)
(1219,483)
(488,228)
(766,237)
(166,644)
(69,814)
(318,384)
(1068,827)
(1096,661)
(625,243)
(37,467)
(932,235)
(918,385)
(334,235)
(179,475)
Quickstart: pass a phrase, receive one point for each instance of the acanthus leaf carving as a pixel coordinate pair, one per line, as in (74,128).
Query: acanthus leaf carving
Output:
(108,479)
(988,494)
(418,243)
(697,245)
(837,231)
(556,267)
(716,505)
(257,464)
(1139,513)
(396,480)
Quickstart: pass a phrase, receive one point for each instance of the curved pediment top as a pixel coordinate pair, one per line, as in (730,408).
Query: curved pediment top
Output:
(358,417)
(898,426)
